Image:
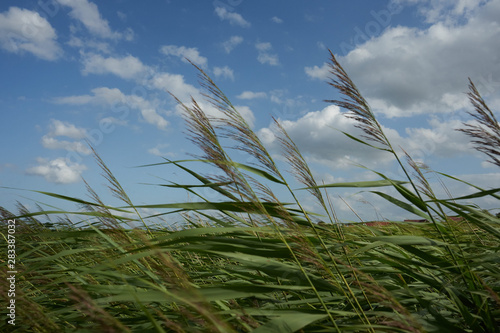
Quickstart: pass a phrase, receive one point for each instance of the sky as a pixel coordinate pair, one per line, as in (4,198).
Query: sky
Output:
(78,70)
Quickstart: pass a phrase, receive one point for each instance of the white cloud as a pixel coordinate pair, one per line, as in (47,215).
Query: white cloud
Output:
(88,14)
(104,96)
(128,67)
(224,72)
(233,18)
(100,96)
(121,15)
(50,142)
(441,139)
(158,150)
(183,52)
(152,117)
(246,113)
(276,19)
(318,136)
(175,84)
(113,121)
(443,10)
(408,71)
(231,43)
(59,170)
(321,45)
(60,128)
(485,181)
(266,46)
(129,34)
(84,44)
(280,96)
(320,73)
(251,95)
(264,57)
(22,30)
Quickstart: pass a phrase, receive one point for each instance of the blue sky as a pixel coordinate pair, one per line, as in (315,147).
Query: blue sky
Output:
(74,70)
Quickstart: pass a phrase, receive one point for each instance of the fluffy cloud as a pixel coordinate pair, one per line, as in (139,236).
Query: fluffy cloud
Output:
(128,67)
(22,30)
(439,139)
(264,56)
(152,117)
(88,14)
(246,113)
(183,52)
(251,95)
(407,71)
(50,142)
(318,136)
(231,17)
(175,84)
(316,72)
(59,170)
(231,43)
(224,72)
(60,128)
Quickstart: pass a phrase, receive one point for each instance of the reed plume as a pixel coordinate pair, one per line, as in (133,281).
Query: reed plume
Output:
(485,135)
(358,107)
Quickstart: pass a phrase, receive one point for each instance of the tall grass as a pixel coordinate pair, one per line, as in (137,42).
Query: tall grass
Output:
(250,262)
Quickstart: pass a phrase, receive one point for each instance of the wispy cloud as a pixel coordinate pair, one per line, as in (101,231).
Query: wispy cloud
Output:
(104,96)
(224,72)
(251,95)
(231,43)
(100,96)
(183,52)
(264,55)
(128,67)
(84,44)
(88,14)
(159,150)
(276,19)
(232,17)
(22,30)
(114,121)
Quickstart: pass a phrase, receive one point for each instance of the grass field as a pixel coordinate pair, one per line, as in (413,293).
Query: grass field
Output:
(251,263)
